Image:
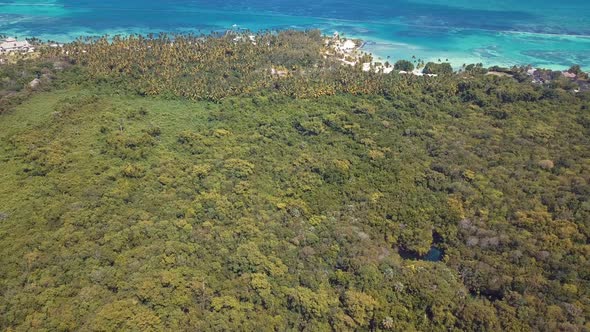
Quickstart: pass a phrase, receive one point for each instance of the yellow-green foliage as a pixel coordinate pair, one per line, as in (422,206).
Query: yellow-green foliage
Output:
(269,211)
(359,306)
(239,168)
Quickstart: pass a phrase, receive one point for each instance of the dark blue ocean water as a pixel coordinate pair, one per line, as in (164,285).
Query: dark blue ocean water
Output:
(543,33)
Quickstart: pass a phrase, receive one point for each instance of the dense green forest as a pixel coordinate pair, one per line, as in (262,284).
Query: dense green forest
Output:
(169,183)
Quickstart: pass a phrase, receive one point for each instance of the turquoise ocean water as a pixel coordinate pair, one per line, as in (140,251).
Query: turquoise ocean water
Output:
(550,34)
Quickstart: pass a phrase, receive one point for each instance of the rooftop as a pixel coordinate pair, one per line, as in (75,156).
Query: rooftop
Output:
(11,44)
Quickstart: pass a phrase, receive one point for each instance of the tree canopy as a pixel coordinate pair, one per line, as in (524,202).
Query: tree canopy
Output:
(404,65)
(175,183)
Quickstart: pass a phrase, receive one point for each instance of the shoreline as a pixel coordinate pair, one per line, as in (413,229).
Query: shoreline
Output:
(393,49)
(384,48)
(350,51)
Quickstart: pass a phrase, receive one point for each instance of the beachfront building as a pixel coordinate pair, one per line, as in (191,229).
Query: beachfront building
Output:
(348,46)
(12,45)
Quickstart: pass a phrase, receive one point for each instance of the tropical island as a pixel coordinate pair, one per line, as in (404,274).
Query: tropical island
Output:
(276,182)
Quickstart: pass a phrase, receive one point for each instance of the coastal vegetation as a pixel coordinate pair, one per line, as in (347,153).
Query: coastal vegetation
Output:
(404,65)
(229,183)
(438,68)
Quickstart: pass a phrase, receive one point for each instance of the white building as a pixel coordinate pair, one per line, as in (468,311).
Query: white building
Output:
(348,46)
(12,45)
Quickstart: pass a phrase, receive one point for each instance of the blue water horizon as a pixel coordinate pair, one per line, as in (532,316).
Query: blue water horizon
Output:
(500,32)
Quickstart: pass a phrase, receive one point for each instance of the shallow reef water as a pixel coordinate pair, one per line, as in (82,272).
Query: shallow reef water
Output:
(500,32)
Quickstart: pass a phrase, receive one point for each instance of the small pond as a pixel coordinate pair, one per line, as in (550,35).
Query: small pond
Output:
(434,255)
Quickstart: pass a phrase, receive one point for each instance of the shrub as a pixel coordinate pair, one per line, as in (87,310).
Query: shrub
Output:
(438,68)
(153,131)
(311,127)
(129,146)
(132,171)
(192,142)
(239,168)
(404,65)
